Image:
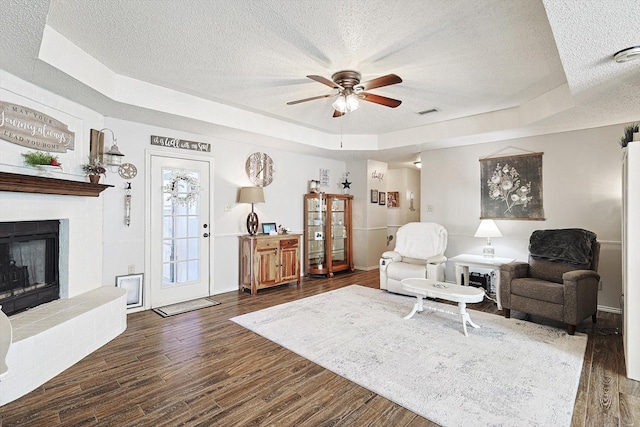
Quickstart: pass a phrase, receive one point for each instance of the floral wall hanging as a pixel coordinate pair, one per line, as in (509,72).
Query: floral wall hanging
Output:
(511,187)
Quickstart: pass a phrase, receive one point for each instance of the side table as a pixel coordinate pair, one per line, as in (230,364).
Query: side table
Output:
(464,261)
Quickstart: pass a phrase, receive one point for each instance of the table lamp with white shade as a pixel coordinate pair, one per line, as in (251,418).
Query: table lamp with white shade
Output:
(251,195)
(488,229)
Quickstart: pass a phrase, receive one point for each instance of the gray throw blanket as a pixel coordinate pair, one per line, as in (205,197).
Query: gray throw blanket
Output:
(572,245)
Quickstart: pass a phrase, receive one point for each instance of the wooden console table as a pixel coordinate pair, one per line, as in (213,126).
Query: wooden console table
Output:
(267,261)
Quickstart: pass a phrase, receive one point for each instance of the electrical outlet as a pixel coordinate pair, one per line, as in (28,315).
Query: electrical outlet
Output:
(131,269)
(429,208)
(600,285)
(227,207)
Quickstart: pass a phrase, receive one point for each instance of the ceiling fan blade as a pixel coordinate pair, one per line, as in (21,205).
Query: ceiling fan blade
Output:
(337,113)
(325,81)
(308,99)
(389,79)
(382,100)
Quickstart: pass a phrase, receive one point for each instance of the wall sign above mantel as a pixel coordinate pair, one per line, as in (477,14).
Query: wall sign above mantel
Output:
(33,129)
(165,141)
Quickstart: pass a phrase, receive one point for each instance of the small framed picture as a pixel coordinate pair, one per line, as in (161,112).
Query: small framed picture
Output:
(393,199)
(374,196)
(268,227)
(132,283)
(382,198)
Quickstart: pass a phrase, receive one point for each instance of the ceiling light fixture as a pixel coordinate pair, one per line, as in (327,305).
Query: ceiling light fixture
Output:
(628,54)
(346,102)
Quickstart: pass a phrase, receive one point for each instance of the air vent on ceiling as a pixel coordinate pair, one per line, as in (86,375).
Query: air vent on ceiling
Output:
(432,110)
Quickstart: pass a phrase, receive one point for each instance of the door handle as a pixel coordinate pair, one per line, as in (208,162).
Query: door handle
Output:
(205,235)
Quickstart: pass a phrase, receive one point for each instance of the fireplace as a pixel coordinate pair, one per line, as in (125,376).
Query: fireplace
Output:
(29,254)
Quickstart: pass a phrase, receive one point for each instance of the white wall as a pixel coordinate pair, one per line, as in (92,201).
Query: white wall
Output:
(101,246)
(581,173)
(407,182)
(369,230)
(581,188)
(124,246)
(84,214)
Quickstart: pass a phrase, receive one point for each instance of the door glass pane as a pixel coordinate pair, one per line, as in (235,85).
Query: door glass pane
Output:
(181,231)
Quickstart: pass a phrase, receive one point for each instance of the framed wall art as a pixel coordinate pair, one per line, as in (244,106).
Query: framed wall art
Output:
(132,283)
(511,187)
(382,198)
(374,196)
(393,199)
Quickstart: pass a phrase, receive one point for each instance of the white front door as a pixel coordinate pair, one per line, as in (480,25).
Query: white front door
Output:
(179,229)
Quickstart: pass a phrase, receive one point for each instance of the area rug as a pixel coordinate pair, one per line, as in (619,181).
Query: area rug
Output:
(184,307)
(508,372)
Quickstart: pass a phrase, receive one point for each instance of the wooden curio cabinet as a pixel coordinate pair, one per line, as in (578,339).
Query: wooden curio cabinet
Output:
(328,246)
(267,261)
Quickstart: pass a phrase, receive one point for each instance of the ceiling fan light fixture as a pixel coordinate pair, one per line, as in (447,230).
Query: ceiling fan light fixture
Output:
(346,103)
(628,54)
(352,102)
(340,103)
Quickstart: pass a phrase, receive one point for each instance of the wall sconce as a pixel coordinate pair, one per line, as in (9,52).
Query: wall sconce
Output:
(251,195)
(113,157)
(488,229)
(411,207)
(418,164)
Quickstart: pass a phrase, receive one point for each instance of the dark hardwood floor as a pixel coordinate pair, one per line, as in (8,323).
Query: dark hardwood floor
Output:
(200,369)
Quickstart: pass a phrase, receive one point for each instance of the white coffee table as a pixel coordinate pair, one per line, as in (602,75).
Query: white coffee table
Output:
(423,288)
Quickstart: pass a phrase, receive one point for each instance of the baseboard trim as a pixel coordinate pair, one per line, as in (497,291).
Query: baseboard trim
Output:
(609,309)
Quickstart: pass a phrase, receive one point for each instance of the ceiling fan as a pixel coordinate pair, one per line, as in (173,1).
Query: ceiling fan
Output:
(350,91)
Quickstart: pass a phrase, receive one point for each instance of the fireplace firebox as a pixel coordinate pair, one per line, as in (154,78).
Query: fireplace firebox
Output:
(29,254)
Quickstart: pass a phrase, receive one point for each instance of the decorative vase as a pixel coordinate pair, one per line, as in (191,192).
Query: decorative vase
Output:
(94,179)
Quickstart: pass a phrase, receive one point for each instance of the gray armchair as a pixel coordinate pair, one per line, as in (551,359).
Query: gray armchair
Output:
(559,282)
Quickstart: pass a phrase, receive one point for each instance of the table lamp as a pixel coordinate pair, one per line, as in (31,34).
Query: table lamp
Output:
(488,229)
(251,195)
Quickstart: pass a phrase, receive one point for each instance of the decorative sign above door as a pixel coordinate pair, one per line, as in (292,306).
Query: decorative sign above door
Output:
(165,141)
(33,129)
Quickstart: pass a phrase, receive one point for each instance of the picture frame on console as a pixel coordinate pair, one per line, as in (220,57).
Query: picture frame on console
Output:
(132,283)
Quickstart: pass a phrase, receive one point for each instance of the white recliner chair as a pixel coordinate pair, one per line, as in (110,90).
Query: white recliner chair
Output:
(419,252)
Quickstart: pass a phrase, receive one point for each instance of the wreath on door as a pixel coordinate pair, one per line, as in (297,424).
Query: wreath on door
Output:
(176,189)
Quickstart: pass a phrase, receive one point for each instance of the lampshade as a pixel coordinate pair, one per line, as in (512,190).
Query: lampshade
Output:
(488,228)
(251,195)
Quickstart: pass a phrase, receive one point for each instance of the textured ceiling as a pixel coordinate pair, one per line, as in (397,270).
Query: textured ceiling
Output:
(495,69)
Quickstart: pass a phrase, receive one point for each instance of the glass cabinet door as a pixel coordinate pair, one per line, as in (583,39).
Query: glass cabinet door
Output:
(316,221)
(338,232)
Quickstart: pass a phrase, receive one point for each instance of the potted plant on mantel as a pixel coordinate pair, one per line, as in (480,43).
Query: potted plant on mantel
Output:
(629,132)
(94,169)
(45,162)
